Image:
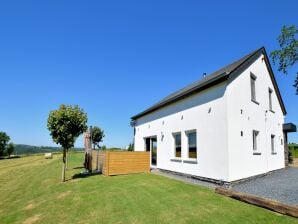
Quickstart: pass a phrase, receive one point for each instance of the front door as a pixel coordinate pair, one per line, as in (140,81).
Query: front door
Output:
(151,146)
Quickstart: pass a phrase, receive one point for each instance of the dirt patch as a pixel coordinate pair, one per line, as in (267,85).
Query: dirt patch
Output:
(32,219)
(29,206)
(63,194)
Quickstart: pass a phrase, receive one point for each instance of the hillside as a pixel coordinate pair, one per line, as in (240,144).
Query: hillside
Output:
(21,149)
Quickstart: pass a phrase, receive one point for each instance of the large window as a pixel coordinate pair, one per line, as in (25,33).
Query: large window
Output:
(270,99)
(192,144)
(253,79)
(177,140)
(255,135)
(273,144)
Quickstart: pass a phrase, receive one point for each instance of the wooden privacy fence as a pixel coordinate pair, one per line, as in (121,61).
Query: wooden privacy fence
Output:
(112,163)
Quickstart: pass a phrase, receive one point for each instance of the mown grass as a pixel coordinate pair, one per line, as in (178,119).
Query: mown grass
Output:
(31,192)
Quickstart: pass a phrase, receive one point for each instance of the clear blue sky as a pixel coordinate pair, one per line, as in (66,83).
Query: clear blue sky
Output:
(115,58)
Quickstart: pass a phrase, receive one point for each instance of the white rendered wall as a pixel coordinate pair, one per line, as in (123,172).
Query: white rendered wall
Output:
(242,162)
(204,112)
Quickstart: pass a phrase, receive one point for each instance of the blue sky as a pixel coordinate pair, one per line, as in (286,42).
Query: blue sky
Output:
(115,58)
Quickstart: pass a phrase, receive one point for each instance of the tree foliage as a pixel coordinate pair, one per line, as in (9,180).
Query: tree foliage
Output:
(130,147)
(10,148)
(287,55)
(4,139)
(65,125)
(97,136)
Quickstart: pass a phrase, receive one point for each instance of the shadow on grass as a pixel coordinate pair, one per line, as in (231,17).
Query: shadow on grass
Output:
(79,167)
(85,174)
(11,157)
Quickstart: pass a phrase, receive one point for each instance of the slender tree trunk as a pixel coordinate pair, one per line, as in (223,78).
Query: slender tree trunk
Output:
(64,165)
(66,159)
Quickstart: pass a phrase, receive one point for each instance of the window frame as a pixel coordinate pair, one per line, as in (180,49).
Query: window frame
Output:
(270,93)
(255,137)
(273,144)
(188,145)
(175,145)
(253,92)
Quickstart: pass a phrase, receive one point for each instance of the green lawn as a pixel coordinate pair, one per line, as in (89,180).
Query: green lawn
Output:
(31,192)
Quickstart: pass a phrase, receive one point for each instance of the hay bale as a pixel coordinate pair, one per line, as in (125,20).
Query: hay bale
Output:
(48,155)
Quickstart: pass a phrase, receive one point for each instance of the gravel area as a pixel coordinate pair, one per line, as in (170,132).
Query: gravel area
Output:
(184,178)
(281,185)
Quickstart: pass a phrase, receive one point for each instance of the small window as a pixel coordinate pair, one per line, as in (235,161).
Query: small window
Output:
(192,144)
(177,139)
(273,144)
(253,87)
(270,99)
(255,140)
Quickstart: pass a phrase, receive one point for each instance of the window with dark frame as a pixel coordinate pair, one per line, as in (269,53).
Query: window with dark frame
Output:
(192,144)
(273,144)
(270,99)
(253,87)
(177,139)
(255,140)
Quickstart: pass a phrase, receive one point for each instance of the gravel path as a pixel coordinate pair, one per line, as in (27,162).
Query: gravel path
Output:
(281,185)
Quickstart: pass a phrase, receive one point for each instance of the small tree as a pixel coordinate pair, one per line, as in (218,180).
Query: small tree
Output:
(97,136)
(287,55)
(130,147)
(65,125)
(10,149)
(4,139)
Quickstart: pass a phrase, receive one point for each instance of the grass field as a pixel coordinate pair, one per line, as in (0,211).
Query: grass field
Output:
(31,192)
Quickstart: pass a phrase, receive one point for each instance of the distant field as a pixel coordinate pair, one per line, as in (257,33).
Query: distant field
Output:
(30,149)
(31,192)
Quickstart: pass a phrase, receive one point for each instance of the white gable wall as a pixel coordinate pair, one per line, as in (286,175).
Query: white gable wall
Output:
(204,112)
(242,162)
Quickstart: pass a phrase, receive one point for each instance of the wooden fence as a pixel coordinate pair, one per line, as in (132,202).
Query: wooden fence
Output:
(112,163)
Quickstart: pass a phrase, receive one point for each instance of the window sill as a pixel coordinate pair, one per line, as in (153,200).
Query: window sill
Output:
(256,102)
(273,153)
(176,160)
(191,161)
(257,153)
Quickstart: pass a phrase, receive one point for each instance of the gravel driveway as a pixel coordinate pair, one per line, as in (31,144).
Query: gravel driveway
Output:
(281,185)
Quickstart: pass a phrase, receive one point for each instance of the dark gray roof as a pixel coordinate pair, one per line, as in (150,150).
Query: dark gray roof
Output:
(213,79)
(289,127)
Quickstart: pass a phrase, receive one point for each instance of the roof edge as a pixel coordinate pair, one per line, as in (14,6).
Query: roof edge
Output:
(215,80)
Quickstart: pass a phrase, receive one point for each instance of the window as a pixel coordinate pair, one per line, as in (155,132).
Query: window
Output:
(192,144)
(270,99)
(273,144)
(253,87)
(255,141)
(177,139)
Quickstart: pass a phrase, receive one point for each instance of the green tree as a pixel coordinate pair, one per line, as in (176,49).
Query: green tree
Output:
(287,55)
(10,148)
(97,136)
(65,125)
(4,139)
(130,147)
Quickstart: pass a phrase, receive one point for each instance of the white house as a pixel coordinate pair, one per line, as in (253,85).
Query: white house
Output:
(226,126)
